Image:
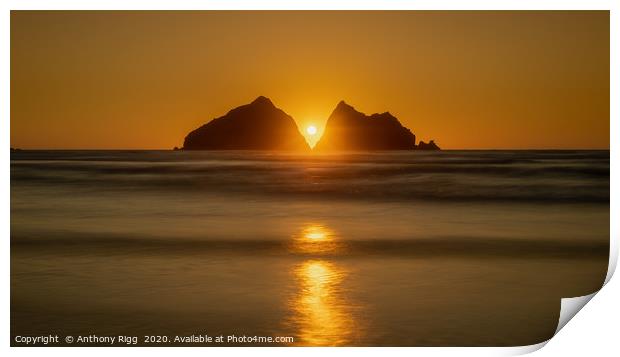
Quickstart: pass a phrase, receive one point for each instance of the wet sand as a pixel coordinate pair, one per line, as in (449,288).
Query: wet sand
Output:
(358,300)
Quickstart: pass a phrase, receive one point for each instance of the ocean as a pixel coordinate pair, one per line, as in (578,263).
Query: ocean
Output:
(448,248)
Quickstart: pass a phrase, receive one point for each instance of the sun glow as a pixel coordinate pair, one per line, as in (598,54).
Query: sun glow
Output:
(316,238)
(315,235)
(316,232)
(311,130)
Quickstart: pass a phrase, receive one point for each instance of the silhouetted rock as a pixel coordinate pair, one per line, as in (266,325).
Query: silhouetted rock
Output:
(348,129)
(255,126)
(430,146)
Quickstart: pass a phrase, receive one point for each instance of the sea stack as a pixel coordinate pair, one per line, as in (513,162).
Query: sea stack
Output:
(430,146)
(348,129)
(259,125)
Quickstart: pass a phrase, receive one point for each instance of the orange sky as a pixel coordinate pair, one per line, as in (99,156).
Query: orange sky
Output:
(466,79)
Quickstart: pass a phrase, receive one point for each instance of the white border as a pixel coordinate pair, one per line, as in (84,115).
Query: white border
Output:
(595,328)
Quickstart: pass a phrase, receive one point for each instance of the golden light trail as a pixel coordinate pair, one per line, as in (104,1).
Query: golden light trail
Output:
(321,312)
(316,239)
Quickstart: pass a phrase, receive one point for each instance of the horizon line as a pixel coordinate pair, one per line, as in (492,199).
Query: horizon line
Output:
(311,149)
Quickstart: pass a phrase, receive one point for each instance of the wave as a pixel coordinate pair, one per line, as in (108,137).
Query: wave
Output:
(531,176)
(459,246)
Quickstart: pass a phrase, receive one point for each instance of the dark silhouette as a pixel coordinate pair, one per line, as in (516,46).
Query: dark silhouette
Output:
(255,126)
(261,126)
(430,146)
(348,129)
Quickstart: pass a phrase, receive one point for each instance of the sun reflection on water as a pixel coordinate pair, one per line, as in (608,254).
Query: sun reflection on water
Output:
(322,312)
(316,239)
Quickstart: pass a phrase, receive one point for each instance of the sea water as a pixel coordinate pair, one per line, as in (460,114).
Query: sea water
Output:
(450,248)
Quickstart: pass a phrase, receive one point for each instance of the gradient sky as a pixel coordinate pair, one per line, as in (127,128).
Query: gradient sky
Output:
(131,80)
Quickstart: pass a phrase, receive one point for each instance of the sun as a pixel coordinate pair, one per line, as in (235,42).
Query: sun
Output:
(311,130)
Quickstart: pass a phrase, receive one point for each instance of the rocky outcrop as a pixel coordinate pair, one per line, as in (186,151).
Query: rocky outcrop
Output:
(261,126)
(430,146)
(255,126)
(348,129)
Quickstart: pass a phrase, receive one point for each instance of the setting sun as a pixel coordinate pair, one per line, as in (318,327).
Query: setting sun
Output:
(311,130)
